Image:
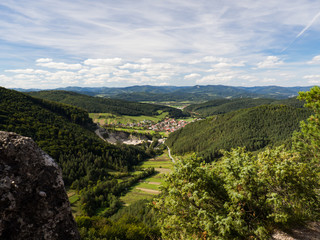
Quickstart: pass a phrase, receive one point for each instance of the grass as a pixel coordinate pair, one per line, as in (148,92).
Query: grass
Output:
(147,186)
(187,119)
(74,199)
(135,194)
(108,118)
(174,104)
(157,164)
(157,178)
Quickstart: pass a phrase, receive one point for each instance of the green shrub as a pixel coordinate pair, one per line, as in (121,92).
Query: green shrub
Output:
(245,196)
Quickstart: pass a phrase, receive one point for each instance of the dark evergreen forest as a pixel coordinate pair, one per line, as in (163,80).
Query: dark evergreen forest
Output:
(253,128)
(65,133)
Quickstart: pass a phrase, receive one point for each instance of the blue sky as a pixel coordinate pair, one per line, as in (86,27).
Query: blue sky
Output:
(55,43)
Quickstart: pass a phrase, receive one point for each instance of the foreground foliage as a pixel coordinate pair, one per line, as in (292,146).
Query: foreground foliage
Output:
(241,195)
(246,196)
(136,222)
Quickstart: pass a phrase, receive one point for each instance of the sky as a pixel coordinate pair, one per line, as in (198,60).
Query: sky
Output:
(48,44)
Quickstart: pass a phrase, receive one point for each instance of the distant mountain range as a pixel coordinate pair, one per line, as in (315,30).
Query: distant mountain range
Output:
(189,93)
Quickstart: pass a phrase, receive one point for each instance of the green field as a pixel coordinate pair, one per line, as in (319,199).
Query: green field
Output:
(108,118)
(145,189)
(135,195)
(161,163)
(174,104)
(74,199)
(149,187)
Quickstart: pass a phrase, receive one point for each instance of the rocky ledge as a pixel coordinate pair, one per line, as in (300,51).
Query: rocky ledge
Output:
(33,200)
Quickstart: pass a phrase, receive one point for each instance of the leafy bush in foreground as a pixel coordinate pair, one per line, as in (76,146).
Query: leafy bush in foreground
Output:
(240,196)
(245,196)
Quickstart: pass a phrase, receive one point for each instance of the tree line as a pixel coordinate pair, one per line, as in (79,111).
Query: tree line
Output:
(253,128)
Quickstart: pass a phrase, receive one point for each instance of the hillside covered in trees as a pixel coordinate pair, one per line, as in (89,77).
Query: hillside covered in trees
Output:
(65,133)
(220,106)
(106,105)
(253,128)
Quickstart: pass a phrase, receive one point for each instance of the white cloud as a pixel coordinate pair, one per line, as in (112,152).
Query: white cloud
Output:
(315,60)
(208,59)
(132,66)
(99,72)
(143,36)
(43,60)
(192,76)
(248,78)
(269,80)
(220,78)
(48,63)
(270,62)
(121,72)
(162,84)
(311,76)
(103,62)
(27,71)
(145,60)
(228,65)
(313,79)
(25,76)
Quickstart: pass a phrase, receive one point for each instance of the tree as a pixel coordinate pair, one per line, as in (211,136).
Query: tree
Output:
(307,141)
(245,195)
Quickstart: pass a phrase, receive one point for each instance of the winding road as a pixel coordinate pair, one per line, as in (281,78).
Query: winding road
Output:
(169,152)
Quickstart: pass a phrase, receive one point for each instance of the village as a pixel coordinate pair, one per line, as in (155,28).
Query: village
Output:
(167,125)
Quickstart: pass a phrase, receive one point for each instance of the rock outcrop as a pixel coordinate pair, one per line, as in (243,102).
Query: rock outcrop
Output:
(33,200)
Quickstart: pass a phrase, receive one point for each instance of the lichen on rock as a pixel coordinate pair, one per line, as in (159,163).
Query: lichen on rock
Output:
(33,200)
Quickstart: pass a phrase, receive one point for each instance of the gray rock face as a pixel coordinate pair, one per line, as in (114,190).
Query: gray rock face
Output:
(33,200)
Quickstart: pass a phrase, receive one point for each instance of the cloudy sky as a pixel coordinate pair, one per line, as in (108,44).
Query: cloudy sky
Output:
(58,43)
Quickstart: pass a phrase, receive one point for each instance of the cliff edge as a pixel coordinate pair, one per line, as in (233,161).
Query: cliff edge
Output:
(33,200)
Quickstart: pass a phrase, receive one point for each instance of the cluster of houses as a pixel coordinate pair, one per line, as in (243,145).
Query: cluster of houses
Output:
(168,125)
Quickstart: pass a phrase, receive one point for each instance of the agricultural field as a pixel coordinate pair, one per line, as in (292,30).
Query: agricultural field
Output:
(109,118)
(174,104)
(74,199)
(145,189)
(149,187)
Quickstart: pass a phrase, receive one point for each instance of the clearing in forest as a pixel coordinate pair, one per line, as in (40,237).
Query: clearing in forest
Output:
(149,187)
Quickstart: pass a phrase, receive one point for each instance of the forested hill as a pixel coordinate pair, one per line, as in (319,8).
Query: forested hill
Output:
(253,128)
(63,132)
(220,106)
(198,93)
(106,105)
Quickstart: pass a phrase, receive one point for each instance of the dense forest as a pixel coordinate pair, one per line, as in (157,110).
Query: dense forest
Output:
(107,105)
(65,133)
(253,128)
(220,106)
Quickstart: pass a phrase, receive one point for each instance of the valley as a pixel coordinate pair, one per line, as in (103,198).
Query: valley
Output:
(116,155)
